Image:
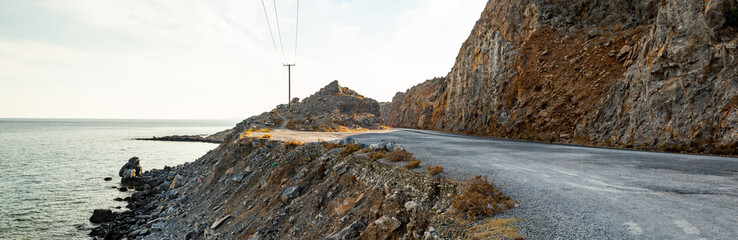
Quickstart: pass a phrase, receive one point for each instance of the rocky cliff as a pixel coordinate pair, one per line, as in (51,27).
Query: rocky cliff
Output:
(646,74)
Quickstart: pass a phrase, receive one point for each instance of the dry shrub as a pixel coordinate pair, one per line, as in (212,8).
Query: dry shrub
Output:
(435,170)
(374,155)
(400,156)
(351,148)
(495,229)
(480,198)
(292,143)
(330,145)
(263,130)
(266,136)
(413,164)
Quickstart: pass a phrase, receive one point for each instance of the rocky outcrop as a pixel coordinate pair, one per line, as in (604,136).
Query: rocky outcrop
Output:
(658,75)
(130,172)
(254,188)
(218,137)
(332,108)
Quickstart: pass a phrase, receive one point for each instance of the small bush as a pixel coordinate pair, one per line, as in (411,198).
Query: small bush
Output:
(731,17)
(435,170)
(351,148)
(480,198)
(292,143)
(400,156)
(263,130)
(413,164)
(266,136)
(374,155)
(330,145)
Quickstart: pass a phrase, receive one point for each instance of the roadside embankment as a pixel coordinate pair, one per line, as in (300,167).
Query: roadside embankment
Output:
(257,188)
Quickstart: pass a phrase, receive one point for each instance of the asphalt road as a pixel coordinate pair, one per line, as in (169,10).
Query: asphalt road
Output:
(573,192)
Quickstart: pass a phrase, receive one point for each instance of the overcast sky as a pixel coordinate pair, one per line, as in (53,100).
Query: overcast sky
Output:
(183,59)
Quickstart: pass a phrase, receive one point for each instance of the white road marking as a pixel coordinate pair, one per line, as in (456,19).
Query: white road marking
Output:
(687,227)
(634,228)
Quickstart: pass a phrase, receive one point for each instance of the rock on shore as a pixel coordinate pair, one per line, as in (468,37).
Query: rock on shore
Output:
(131,171)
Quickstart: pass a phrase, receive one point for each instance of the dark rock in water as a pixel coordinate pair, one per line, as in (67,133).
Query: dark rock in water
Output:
(101,215)
(123,189)
(118,199)
(108,179)
(131,171)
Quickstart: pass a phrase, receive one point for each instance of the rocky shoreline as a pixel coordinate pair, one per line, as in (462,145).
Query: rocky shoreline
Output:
(218,137)
(252,188)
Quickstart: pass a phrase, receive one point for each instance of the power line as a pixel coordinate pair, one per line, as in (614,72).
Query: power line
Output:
(271,35)
(297,21)
(279,31)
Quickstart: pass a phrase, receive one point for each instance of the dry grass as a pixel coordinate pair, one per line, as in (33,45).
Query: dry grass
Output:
(374,155)
(413,164)
(246,133)
(351,148)
(495,229)
(266,136)
(330,145)
(480,198)
(292,143)
(435,170)
(400,156)
(263,130)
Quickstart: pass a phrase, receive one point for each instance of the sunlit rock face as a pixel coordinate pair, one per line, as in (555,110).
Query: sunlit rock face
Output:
(658,75)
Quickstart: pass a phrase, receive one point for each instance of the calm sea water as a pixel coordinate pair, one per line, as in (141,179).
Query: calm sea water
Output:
(51,171)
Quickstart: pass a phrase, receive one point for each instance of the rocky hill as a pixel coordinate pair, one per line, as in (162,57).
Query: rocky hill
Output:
(256,188)
(332,108)
(645,74)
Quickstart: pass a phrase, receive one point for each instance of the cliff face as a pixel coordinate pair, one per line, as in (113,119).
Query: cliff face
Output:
(658,75)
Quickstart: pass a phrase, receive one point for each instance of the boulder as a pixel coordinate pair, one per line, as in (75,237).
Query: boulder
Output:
(131,171)
(101,215)
(388,224)
(289,194)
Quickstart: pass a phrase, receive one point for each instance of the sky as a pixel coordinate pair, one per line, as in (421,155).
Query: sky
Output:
(187,59)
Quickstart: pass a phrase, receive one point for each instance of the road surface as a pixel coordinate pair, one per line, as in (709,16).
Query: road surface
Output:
(573,192)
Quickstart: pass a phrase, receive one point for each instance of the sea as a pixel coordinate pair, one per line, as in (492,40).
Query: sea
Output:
(52,170)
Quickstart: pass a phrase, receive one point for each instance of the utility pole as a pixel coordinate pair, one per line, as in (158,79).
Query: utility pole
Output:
(289,76)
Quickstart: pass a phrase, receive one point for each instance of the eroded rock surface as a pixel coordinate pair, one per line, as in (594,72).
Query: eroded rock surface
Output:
(659,75)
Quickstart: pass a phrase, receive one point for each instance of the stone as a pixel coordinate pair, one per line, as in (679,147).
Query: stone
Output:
(352,231)
(411,205)
(388,224)
(108,179)
(290,194)
(123,189)
(237,177)
(130,171)
(101,215)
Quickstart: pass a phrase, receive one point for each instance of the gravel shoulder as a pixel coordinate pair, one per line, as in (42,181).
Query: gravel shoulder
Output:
(307,136)
(573,192)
